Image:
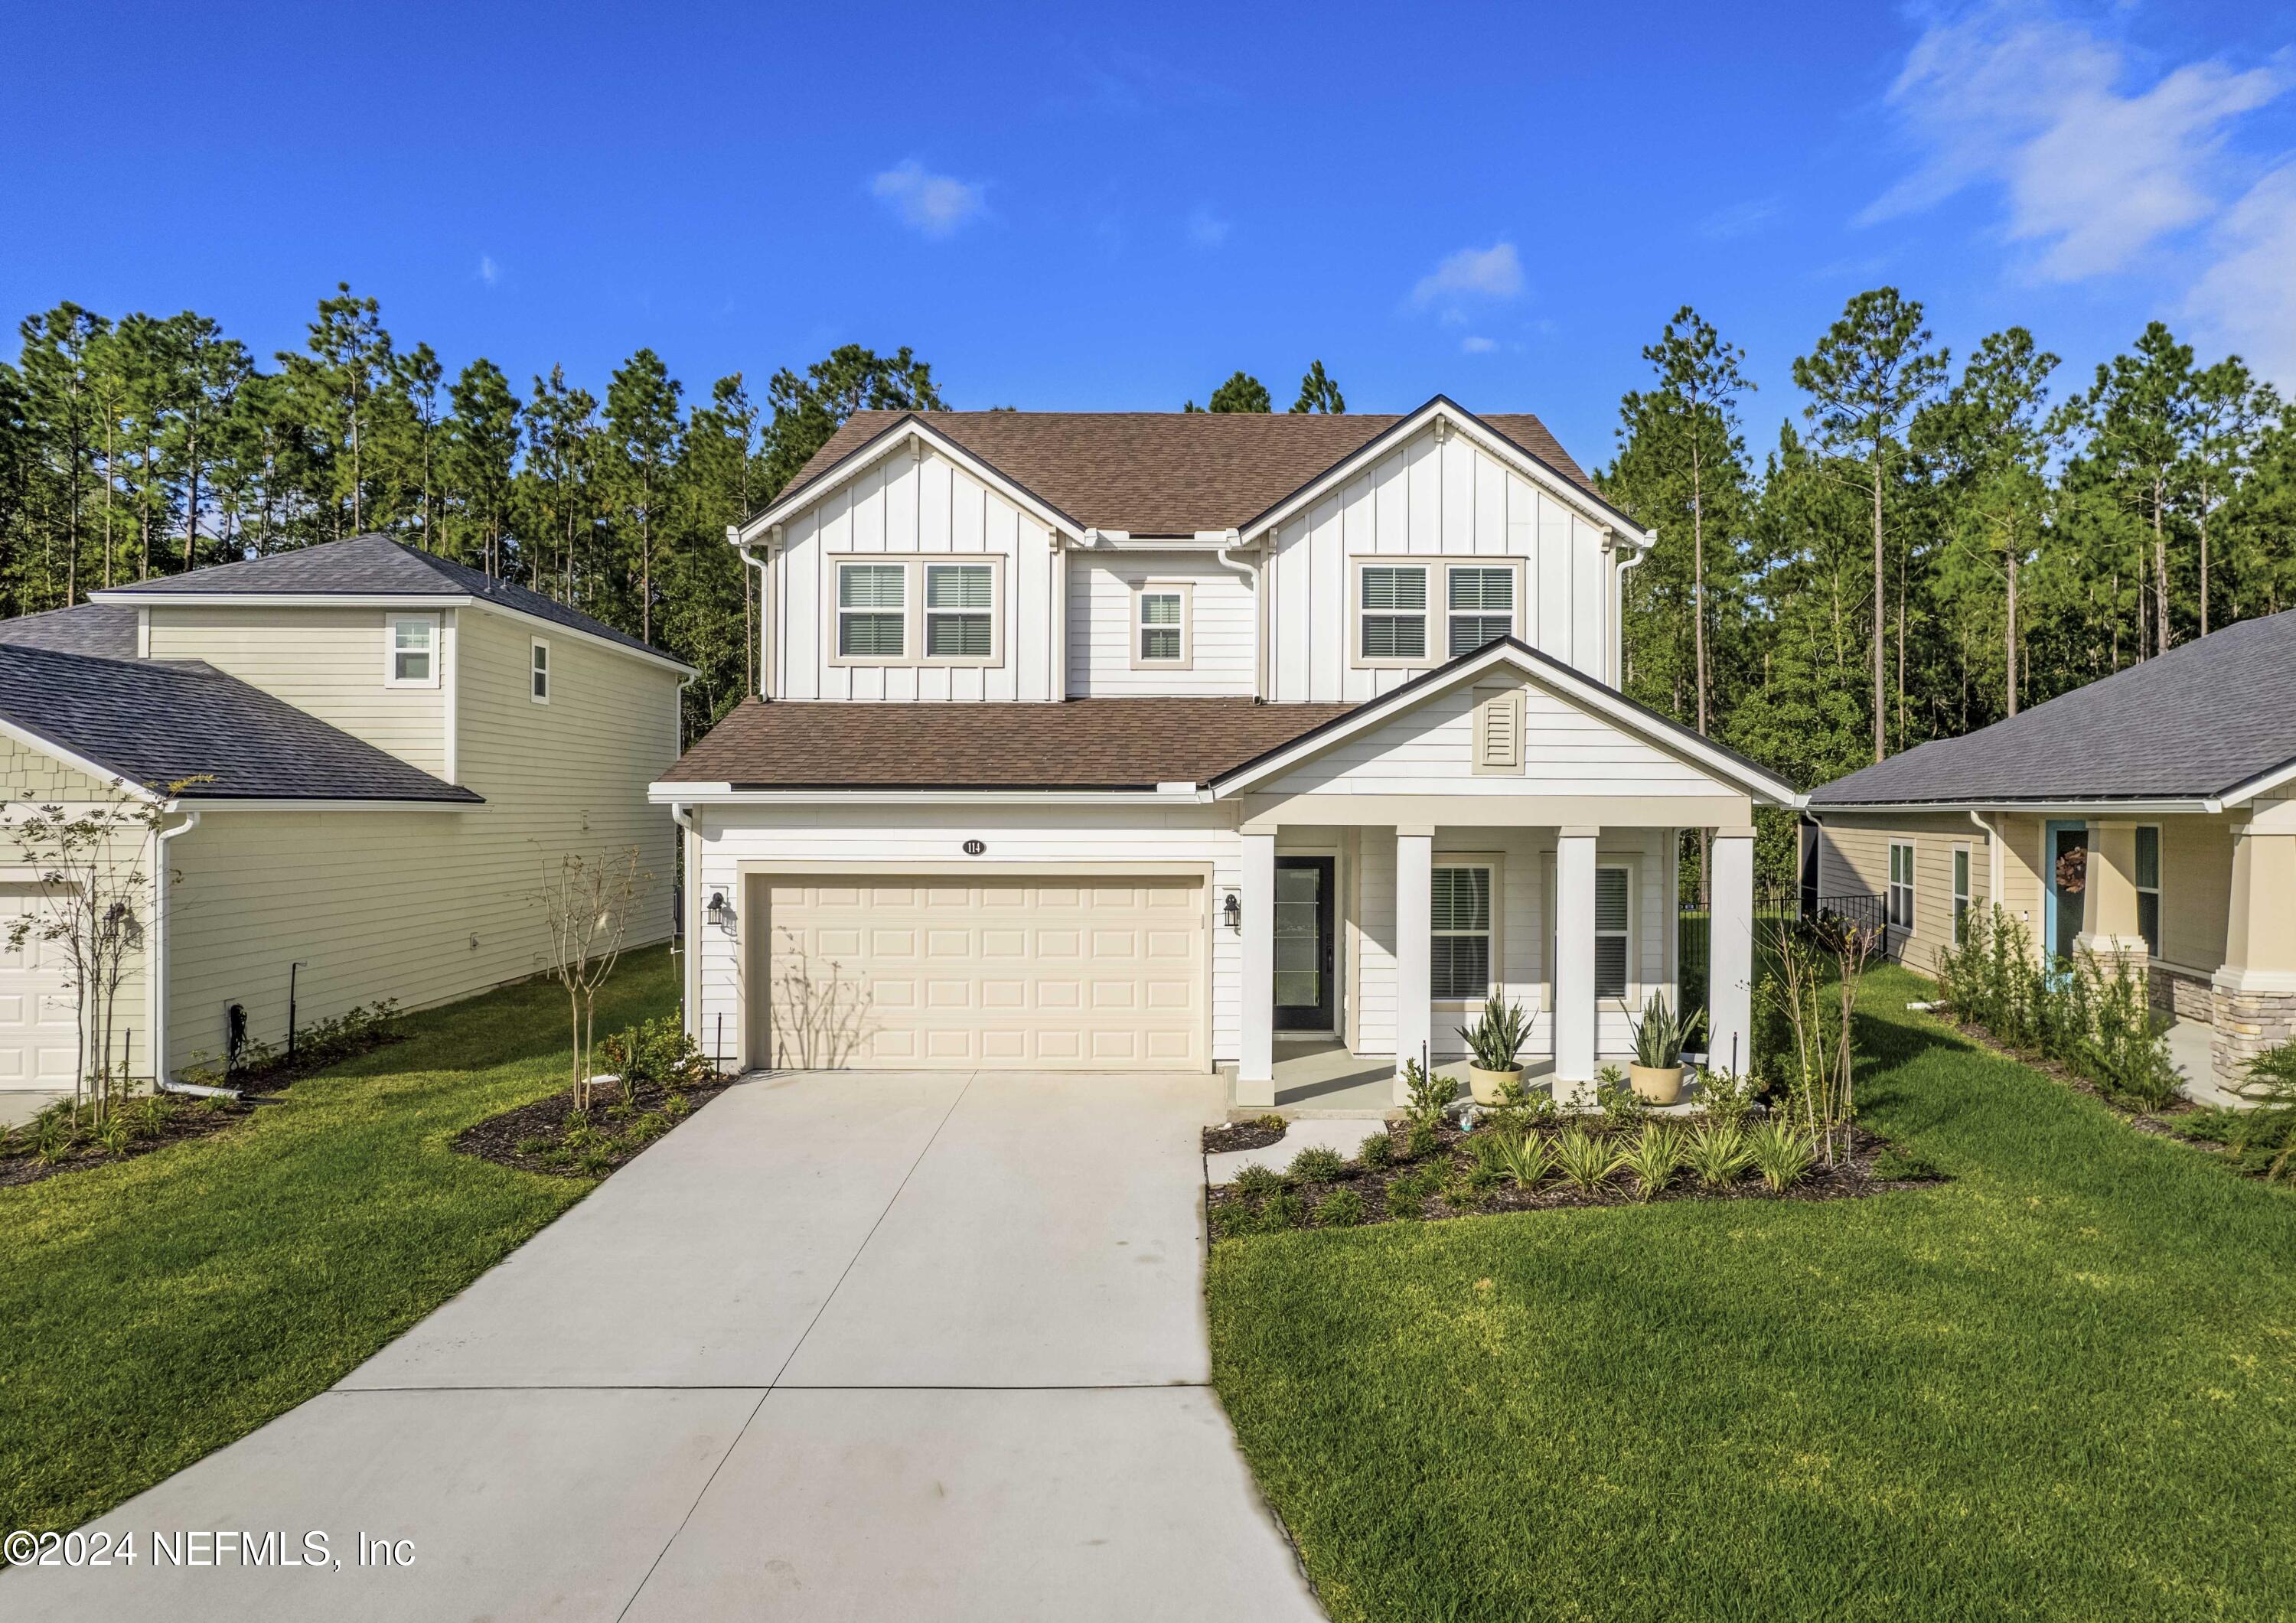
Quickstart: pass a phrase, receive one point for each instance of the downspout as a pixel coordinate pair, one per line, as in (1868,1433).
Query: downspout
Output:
(1252,570)
(688,993)
(159,956)
(733,534)
(1618,613)
(1056,687)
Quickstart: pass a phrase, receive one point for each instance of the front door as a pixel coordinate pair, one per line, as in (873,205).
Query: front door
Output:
(1303,944)
(2067,851)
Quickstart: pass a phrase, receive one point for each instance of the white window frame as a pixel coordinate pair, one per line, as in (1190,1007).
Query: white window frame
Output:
(994,611)
(390,649)
(538,664)
(1906,885)
(1490,864)
(2152,942)
(1185,591)
(913,612)
(1963,884)
(1436,570)
(1507,566)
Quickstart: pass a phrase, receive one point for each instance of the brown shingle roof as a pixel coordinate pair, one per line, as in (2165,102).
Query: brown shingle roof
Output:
(1165,473)
(1081,743)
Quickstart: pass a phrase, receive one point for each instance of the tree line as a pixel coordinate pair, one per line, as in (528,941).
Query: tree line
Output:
(1924,549)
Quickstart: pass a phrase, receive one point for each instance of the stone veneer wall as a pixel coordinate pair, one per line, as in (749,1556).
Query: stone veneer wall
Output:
(2186,995)
(2247,1023)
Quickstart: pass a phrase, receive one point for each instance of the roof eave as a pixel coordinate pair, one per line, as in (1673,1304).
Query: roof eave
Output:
(909,425)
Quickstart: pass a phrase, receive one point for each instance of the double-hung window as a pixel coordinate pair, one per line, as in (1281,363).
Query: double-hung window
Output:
(539,672)
(1160,629)
(872,618)
(1960,894)
(960,609)
(1901,886)
(1459,964)
(1392,612)
(1481,604)
(410,654)
(2148,886)
(1612,913)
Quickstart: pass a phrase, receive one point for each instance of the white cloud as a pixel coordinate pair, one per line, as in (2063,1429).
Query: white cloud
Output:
(1739,219)
(1478,346)
(489,272)
(2012,96)
(1206,229)
(2246,301)
(933,204)
(1469,275)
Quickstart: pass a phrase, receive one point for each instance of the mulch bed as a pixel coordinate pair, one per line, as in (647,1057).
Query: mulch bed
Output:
(1256,1135)
(535,1137)
(1853,1177)
(20,1162)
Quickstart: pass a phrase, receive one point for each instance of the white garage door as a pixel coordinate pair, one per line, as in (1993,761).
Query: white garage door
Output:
(39,1020)
(927,973)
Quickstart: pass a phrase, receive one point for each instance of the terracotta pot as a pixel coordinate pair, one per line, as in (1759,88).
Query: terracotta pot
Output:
(1486,1084)
(1658,1084)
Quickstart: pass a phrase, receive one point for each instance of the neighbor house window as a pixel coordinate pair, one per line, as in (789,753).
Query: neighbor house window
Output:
(411,650)
(1459,969)
(1393,611)
(1161,626)
(1960,894)
(1901,886)
(959,611)
(1481,603)
(1611,909)
(871,611)
(2148,887)
(538,677)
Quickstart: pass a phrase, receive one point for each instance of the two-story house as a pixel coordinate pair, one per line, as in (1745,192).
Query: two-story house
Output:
(342,774)
(1175,742)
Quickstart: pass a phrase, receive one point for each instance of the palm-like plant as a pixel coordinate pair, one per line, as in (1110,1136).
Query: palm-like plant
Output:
(1526,1158)
(1587,1161)
(1782,1153)
(1497,1034)
(1653,1158)
(1717,1153)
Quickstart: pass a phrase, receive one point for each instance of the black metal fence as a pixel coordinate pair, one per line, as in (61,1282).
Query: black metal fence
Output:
(1781,903)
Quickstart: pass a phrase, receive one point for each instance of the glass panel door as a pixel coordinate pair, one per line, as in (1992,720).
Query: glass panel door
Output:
(2067,877)
(1303,944)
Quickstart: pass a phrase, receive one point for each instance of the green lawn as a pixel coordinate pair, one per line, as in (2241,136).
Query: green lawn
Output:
(156,1309)
(2061,1386)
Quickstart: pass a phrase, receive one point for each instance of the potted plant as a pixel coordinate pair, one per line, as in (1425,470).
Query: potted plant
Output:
(1495,1039)
(1656,1073)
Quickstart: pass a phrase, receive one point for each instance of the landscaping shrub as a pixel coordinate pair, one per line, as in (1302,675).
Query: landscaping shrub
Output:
(1271,1122)
(657,1051)
(1717,1153)
(1341,1209)
(1405,1202)
(1376,1151)
(1586,1160)
(1256,1180)
(1431,1093)
(1623,1109)
(1282,1210)
(1653,1158)
(1528,1158)
(1726,1098)
(1421,1141)
(2265,1137)
(1318,1165)
(1781,1153)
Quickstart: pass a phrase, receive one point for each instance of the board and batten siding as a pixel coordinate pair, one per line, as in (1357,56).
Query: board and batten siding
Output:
(328,662)
(427,907)
(1431,498)
(932,837)
(906,504)
(1525,858)
(1102,626)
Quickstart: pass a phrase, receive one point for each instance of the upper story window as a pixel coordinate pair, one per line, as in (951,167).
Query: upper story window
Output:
(1163,634)
(872,615)
(410,651)
(1477,601)
(539,672)
(960,611)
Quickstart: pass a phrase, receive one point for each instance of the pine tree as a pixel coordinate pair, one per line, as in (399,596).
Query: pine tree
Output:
(1318,393)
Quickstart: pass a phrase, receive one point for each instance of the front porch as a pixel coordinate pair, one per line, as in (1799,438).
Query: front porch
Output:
(1317,1080)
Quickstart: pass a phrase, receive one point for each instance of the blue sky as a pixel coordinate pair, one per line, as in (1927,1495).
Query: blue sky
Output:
(1065,210)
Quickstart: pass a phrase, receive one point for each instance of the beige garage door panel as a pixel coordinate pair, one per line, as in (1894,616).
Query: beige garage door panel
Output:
(897,974)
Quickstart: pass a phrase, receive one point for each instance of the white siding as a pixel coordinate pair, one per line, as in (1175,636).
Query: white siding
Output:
(1569,750)
(907,505)
(1430,499)
(1101,626)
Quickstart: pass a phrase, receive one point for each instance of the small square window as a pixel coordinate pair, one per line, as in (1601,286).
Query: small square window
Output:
(871,611)
(539,675)
(960,605)
(1481,604)
(413,650)
(1393,602)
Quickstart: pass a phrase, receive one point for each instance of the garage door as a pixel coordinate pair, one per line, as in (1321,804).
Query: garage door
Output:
(891,974)
(39,1020)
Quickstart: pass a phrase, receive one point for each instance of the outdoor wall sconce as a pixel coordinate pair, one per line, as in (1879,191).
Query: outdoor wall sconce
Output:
(719,912)
(1234,909)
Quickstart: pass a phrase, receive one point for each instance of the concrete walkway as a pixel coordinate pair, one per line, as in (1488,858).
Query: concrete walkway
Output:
(866,1347)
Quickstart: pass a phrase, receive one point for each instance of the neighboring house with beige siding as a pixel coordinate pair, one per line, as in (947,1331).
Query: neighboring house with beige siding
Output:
(377,754)
(2149,815)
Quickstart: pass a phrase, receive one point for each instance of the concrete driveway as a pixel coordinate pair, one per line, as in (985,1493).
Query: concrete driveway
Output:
(841,1347)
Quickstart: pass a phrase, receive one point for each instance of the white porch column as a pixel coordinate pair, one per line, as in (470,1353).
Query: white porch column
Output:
(1415,946)
(1255,1070)
(1574,965)
(1730,954)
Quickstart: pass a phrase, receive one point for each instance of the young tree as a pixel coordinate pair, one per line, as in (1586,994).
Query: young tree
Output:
(2229,411)
(417,374)
(334,387)
(644,429)
(1866,377)
(587,902)
(1318,393)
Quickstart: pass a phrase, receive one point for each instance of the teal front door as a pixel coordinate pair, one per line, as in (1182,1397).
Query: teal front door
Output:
(2065,849)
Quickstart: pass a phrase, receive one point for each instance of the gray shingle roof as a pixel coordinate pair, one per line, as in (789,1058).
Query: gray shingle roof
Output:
(2197,721)
(157,722)
(375,566)
(105,630)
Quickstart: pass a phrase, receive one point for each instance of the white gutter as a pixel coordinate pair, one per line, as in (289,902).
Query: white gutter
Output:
(1618,607)
(159,958)
(1252,570)
(689,994)
(765,594)
(2192,805)
(1992,857)
(725,794)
